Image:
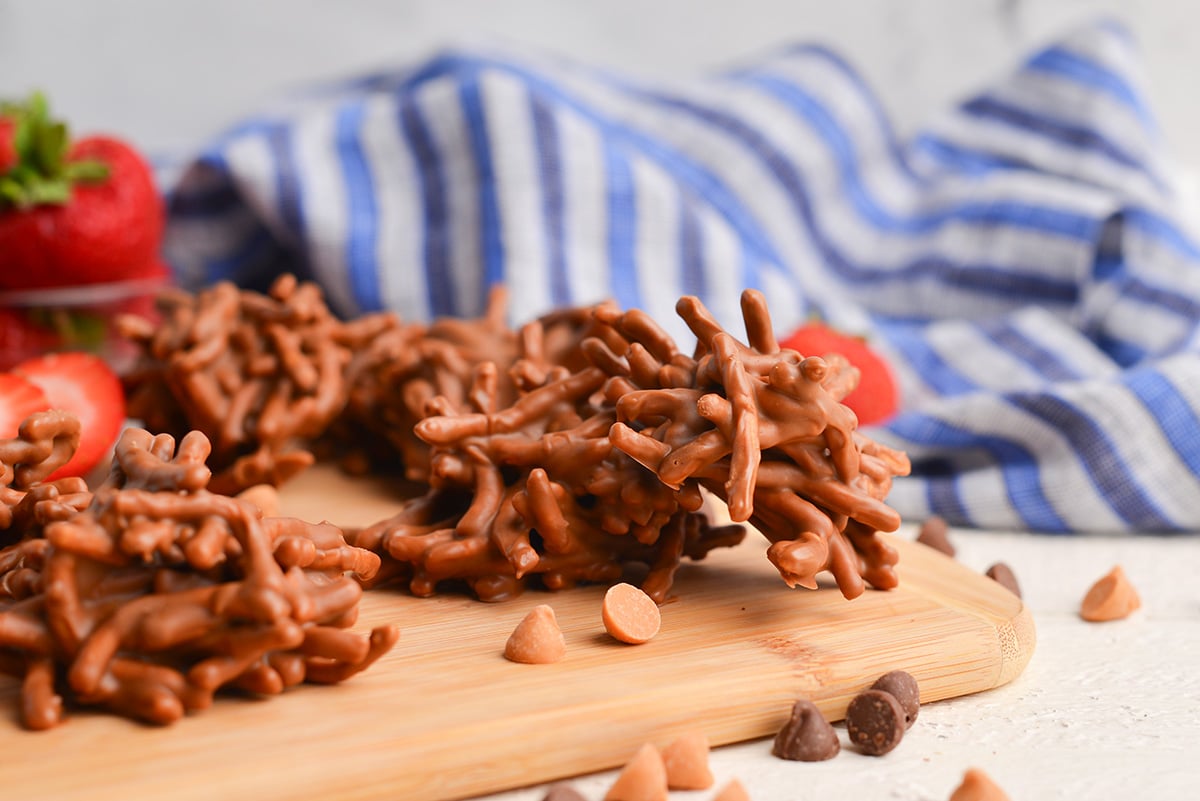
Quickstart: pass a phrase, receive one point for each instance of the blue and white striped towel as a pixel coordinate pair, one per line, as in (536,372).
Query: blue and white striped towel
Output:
(1022,261)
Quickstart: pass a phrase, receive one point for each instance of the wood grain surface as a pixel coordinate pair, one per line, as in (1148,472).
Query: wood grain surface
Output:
(445,716)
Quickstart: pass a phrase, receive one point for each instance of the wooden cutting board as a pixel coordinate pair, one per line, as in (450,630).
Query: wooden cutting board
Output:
(445,716)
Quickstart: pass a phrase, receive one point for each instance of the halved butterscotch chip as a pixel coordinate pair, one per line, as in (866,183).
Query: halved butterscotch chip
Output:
(1111,598)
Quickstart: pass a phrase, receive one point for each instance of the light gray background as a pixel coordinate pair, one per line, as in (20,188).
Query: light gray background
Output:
(170,73)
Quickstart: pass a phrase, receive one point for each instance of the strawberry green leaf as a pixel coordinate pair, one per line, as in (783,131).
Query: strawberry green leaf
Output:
(42,174)
(86,171)
(10,191)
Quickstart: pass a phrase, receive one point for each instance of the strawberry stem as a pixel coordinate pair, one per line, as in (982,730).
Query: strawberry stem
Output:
(41,174)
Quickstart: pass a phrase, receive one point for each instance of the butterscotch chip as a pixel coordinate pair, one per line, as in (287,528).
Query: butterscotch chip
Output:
(875,722)
(686,762)
(629,614)
(734,791)
(263,497)
(1110,598)
(978,786)
(903,687)
(934,533)
(537,640)
(1002,574)
(644,778)
(563,792)
(807,736)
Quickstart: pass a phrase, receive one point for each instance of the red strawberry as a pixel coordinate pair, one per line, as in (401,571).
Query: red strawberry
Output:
(22,336)
(77,213)
(84,385)
(876,398)
(18,399)
(8,148)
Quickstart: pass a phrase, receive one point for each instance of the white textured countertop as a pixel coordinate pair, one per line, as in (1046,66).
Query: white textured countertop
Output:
(1103,711)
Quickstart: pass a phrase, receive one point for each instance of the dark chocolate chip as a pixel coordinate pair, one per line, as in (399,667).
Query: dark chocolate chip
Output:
(903,687)
(875,721)
(807,736)
(934,534)
(1003,575)
(563,792)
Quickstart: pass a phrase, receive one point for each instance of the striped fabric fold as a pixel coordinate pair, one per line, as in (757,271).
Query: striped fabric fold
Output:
(1023,261)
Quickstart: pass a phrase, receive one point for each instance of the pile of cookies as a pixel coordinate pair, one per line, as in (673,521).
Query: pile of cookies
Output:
(558,452)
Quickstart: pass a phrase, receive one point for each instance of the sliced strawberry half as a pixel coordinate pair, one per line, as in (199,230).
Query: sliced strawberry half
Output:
(877,396)
(18,399)
(84,385)
(9,157)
